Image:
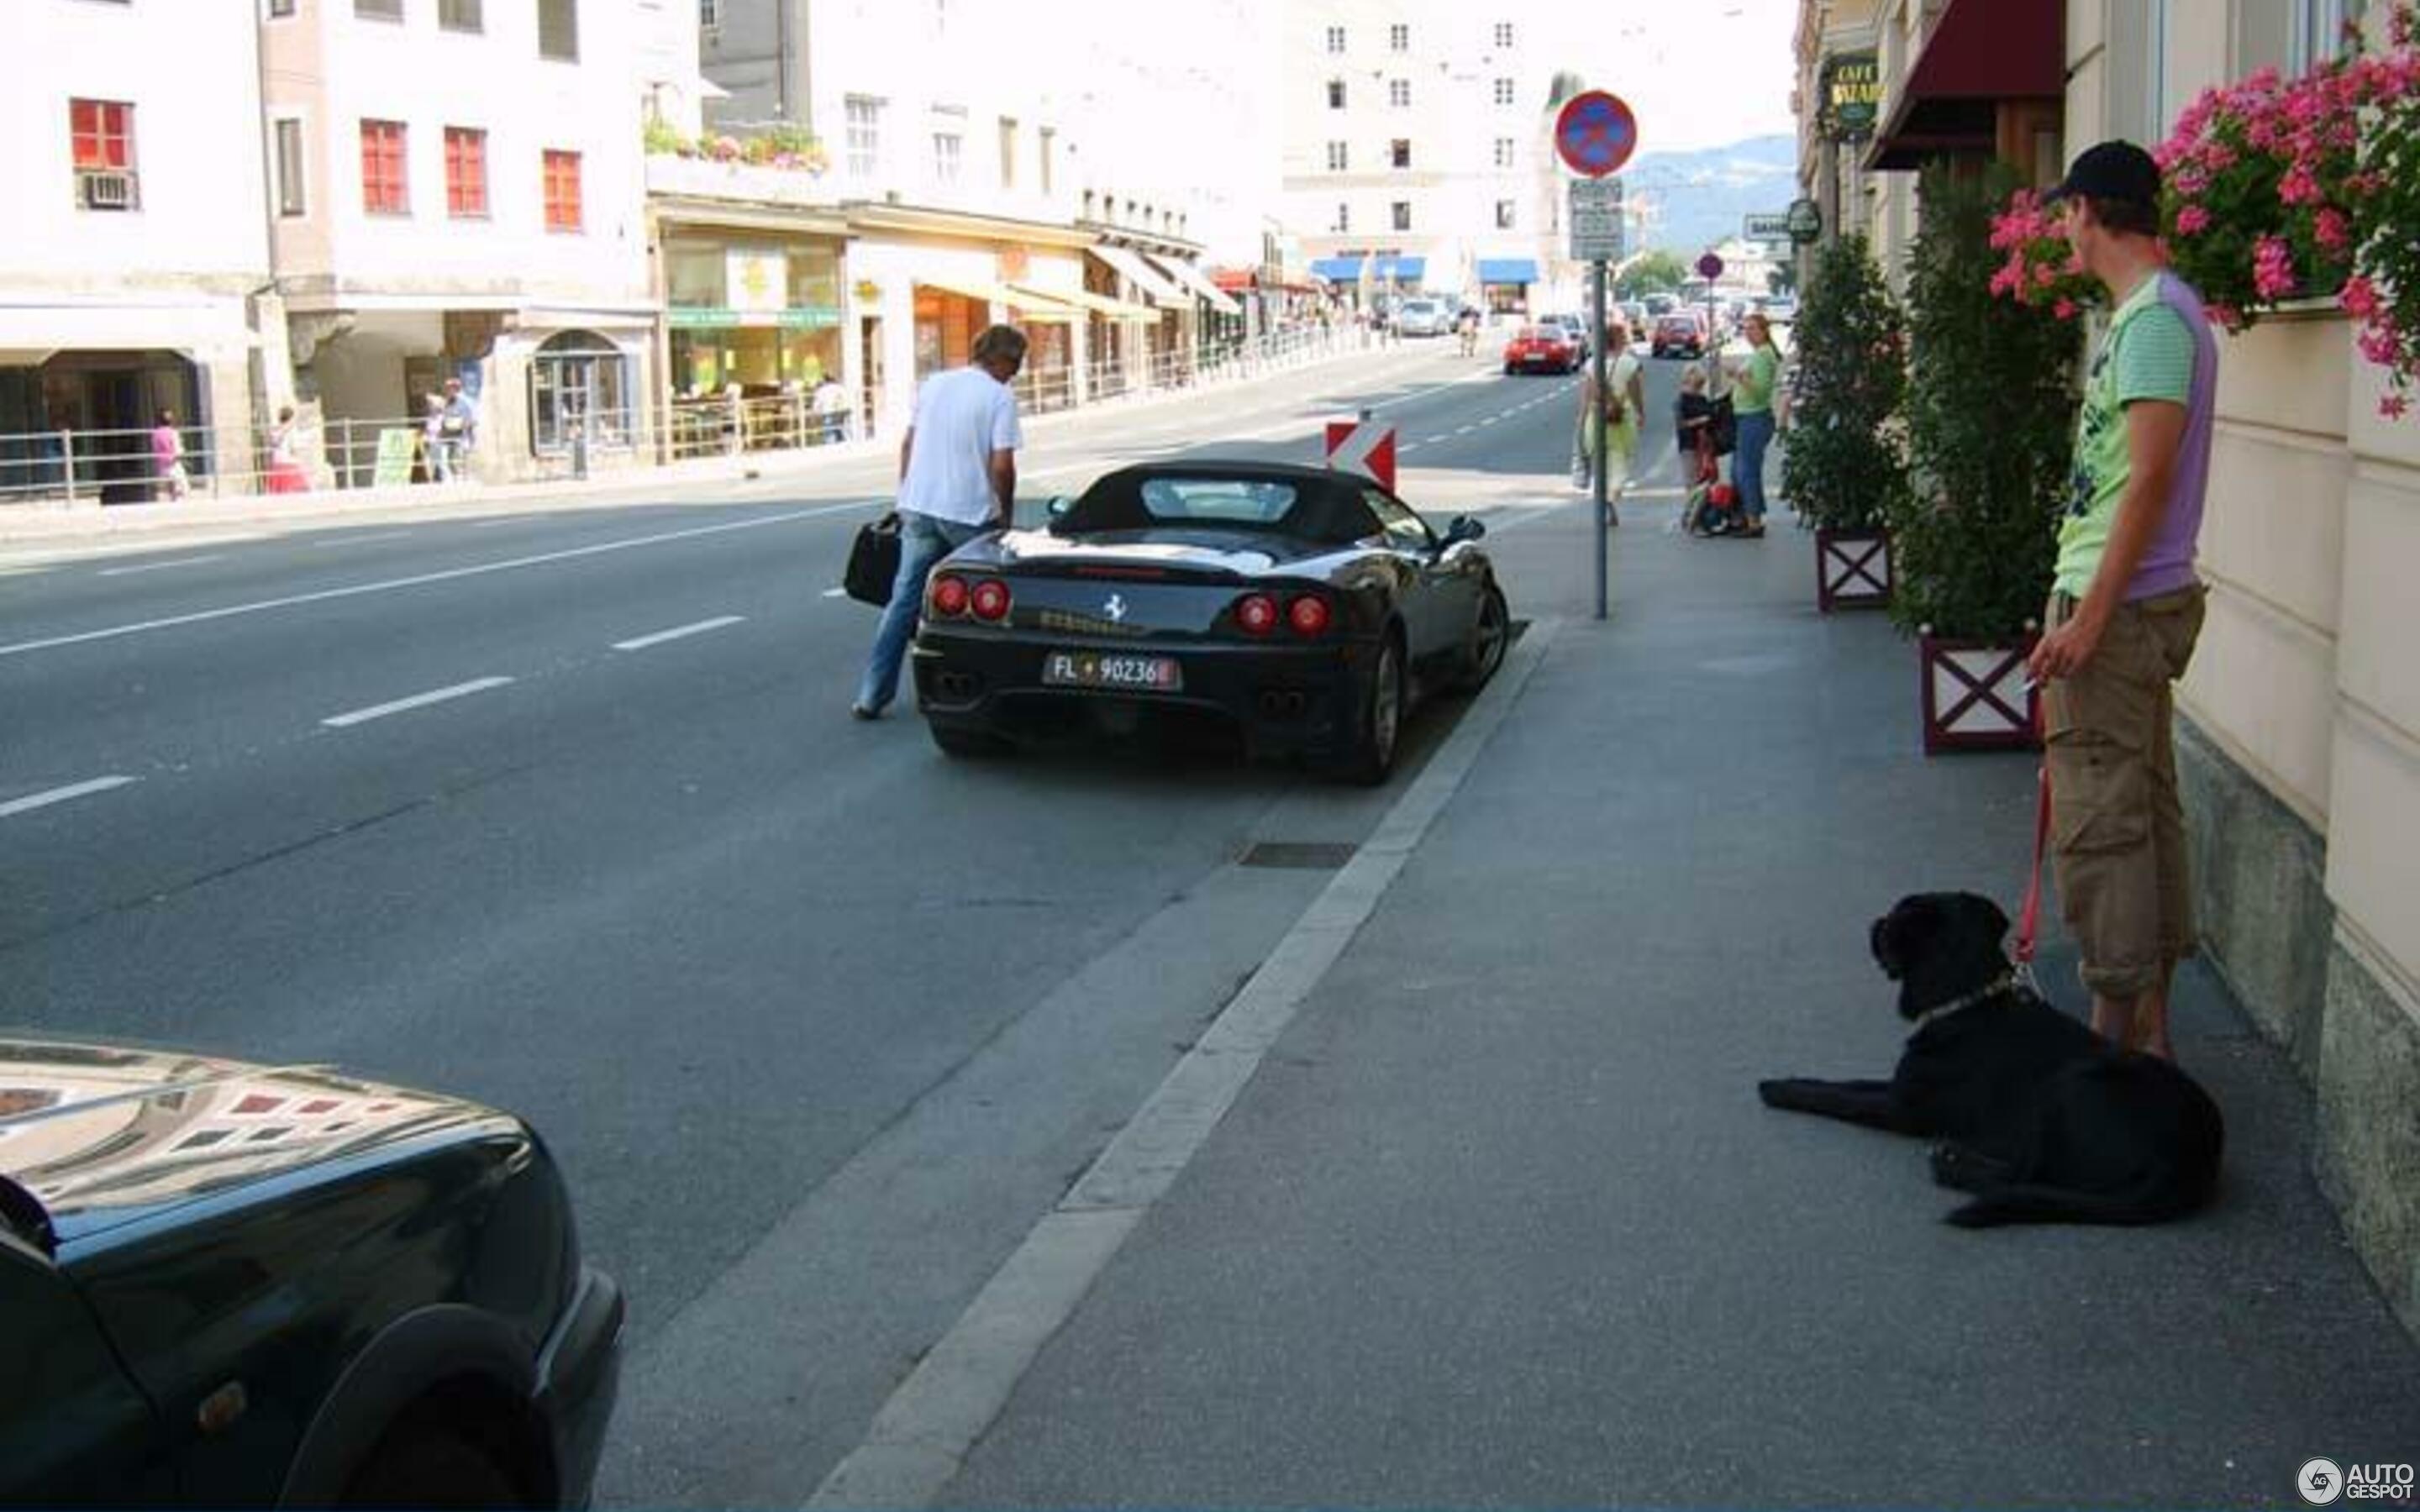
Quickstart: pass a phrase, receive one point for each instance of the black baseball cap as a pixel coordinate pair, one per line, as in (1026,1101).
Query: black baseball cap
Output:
(2113,170)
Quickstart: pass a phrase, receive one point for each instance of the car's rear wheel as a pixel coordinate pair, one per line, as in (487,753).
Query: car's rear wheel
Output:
(1381,725)
(427,1465)
(1491,635)
(973,744)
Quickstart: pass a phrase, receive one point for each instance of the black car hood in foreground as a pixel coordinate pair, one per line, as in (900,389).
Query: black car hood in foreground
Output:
(1178,548)
(104,1134)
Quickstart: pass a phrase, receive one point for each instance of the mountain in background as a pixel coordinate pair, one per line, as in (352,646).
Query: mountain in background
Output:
(1701,198)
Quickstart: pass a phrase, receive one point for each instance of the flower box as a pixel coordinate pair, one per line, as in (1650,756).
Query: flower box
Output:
(1975,695)
(1853,568)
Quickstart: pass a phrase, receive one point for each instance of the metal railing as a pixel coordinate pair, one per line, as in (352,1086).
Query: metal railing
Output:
(84,466)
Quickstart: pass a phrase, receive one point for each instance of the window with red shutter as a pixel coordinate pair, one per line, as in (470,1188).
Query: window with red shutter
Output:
(103,134)
(466,173)
(563,191)
(386,188)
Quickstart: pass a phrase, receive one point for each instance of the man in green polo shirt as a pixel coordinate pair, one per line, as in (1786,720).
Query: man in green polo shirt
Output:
(2127,606)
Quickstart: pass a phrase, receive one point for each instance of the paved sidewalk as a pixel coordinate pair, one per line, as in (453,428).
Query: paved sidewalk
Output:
(1498,1221)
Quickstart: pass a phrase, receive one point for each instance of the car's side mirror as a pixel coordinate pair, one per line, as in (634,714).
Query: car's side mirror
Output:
(1463,529)
(1059,506)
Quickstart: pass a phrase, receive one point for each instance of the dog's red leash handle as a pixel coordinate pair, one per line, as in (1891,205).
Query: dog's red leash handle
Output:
(2029,920)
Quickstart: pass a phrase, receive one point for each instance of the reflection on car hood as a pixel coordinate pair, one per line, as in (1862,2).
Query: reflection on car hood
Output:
(104,1134)
(1189,548)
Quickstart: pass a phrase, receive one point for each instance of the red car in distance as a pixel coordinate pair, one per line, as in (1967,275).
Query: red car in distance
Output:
(1536,348)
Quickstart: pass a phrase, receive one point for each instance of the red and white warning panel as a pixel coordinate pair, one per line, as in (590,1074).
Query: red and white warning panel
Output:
(1365,447)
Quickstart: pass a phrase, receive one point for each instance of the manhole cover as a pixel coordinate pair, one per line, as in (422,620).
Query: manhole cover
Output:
(1299,856)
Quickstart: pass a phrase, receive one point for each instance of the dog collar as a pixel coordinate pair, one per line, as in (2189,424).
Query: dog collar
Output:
(1980,996)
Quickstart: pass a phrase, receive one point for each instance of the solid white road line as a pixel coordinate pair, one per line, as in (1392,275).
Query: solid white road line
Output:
(420,580)
(161,566)
(43,800)
(415,701)
(364,540)
(661,636)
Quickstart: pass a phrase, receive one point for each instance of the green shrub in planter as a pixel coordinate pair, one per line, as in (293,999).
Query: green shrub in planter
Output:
(1991,416)
(1845,469)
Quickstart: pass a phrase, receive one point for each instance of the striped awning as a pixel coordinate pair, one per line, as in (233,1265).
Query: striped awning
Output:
(1026,302)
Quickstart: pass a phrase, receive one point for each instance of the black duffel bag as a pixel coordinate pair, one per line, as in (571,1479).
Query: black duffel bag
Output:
(873,562)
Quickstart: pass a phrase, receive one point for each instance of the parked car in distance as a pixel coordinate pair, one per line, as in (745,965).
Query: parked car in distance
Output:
(1540,348)
(1659,304)
(1680,333)
(232,1285)
(1577,328)
(1634,313)
(1424,318)
(1306,608)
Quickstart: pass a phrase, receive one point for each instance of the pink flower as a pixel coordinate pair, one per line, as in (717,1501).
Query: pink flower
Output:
(2064,309)
(2379,345)
(2192,181)
(2044,278)
(2273,269)
(2332,229)
(2359,297)
(2299,186)
(2393,405)
(2193,221)
(2227,316)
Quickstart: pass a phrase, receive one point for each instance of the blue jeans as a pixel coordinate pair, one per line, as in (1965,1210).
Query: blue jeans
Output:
(1747,469)
(923,541)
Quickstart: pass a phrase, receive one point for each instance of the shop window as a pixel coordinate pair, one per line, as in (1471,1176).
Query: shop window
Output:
(466,173)
(579,383)
(386,184)
(693,275)
(563,212)
(102,132)
(558,30)
(814,279)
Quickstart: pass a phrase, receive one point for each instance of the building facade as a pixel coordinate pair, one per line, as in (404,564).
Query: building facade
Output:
(136,276)
(2299,722)
(1413,149)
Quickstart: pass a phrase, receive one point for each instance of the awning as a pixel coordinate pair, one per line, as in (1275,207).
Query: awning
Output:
(1948,104)
(1233,280)
(1130,266)
(1382,269)
(1508,270)
(30,329)
(1030,305)
(1097,303)
(1190,276)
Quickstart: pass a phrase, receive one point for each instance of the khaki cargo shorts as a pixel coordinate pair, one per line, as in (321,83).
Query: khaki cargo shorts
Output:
(2117,836)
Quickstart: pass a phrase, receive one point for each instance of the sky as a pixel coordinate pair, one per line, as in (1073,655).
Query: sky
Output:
(1696,73)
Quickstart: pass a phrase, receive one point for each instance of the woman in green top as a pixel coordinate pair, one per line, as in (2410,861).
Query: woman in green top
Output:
(1753,380)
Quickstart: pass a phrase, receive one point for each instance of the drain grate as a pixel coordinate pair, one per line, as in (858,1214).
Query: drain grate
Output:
(1299,856)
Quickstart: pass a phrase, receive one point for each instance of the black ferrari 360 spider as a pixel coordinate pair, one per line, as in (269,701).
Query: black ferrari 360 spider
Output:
(1311,608)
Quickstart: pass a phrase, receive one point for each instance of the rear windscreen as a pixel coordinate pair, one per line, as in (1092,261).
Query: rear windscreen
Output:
(1312,510)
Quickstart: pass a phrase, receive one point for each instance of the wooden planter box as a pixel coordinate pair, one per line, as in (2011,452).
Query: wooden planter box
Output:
(1852,569)
(1974,695)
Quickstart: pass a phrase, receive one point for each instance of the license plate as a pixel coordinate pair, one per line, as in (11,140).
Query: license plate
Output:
(1110,669)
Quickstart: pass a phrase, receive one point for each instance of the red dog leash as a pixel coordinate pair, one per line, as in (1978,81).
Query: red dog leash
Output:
(2029,921)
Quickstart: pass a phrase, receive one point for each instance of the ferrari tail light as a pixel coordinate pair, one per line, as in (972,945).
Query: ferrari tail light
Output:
(949,597)
(990,600)
(1257,613)
(1308,615)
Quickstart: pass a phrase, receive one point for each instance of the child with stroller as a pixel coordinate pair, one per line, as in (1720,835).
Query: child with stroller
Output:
(1711,506)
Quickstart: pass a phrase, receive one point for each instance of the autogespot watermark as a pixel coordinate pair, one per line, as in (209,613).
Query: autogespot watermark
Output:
(2322,1482)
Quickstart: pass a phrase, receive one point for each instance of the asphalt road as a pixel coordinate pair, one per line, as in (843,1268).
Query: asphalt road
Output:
(561,810)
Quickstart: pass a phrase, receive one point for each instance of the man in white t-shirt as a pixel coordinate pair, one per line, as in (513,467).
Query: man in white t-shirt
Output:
(957,479)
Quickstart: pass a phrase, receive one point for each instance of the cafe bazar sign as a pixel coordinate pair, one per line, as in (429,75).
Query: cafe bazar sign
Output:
(1853,96)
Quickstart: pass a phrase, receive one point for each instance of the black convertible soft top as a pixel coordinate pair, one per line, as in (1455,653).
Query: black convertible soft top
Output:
(1308,504)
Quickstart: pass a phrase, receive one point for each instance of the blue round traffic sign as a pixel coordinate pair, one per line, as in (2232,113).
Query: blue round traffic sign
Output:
(1595,134)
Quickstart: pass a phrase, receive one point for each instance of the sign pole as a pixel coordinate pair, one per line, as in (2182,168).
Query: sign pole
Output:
(1603,448)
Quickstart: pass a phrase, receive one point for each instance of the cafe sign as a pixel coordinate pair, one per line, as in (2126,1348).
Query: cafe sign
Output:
(1853,96)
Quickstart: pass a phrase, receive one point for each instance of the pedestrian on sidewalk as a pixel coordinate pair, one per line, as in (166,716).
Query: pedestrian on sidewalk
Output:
(285,475)
(453,433)
(1610,425)
(2126,604)
(957,479)
(831,409)
(168,458)
(1753,380)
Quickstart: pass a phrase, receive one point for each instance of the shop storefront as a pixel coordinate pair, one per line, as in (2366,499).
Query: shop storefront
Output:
(752,323)
(87,417)
(1504,283)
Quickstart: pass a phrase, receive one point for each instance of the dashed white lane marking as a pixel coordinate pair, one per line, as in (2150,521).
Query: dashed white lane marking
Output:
(1464,430)
(161,566)
(420,580)
(76,790)
(364,540)
(658,639)
(1431,441)
(415,701)
(835,593)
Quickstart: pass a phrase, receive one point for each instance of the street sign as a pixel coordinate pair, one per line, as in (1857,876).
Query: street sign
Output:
(1595,134)
(1852,92)
(1596,220)
(1805,220)
(1363,447)
(1710,266)
(1762,227)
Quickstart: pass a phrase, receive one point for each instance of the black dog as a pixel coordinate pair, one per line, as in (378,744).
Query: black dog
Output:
(2039,1118)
